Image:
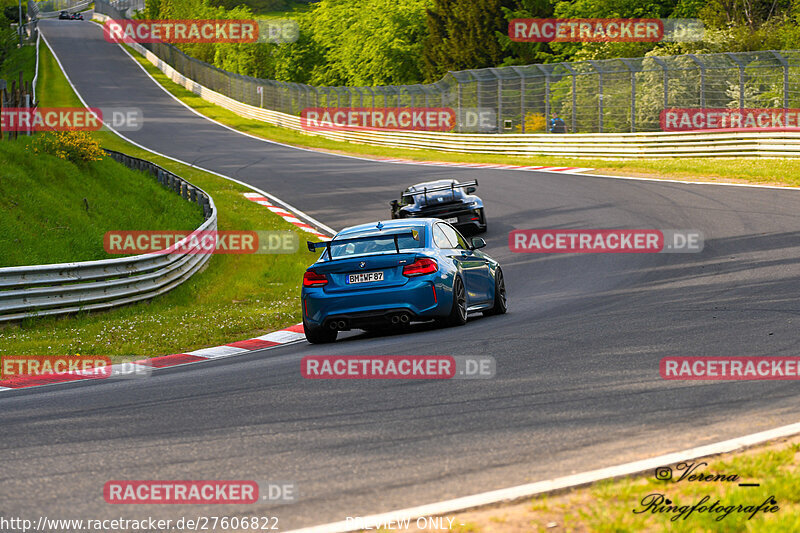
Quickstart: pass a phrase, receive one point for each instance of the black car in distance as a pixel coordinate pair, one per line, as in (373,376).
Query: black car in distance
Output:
(447,199)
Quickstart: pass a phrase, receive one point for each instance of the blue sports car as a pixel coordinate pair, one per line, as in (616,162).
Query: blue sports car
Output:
(395,272)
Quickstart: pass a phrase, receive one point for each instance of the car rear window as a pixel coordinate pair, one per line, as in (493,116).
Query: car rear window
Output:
(376,245)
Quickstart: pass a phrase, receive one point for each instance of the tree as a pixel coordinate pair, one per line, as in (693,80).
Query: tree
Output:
(368,42)
(463,34)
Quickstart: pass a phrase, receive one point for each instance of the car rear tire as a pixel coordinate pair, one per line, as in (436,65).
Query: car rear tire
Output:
(458,313)
(500,303)
(316,335)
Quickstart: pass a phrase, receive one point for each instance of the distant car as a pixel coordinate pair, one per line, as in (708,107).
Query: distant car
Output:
(64,16)
(77,16)
(395,272)
(448,200)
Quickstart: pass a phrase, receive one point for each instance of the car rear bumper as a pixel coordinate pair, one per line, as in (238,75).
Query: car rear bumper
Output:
(417,299)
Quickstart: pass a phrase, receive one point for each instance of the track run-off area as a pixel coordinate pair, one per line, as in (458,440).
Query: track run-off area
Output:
(577,385)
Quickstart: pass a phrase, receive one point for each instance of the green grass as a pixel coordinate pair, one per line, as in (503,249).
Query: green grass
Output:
(236,297)
(52,87)
(54,211)
(19,59)
(750,170)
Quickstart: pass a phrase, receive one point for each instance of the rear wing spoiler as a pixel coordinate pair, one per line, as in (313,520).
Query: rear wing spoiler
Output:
(452,187)
(414,234)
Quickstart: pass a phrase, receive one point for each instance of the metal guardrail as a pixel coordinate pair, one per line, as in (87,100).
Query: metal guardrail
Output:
(619,145)
(44,290)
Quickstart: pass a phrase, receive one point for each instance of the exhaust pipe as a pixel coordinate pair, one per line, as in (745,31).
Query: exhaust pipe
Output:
(333,325)
(341,324)
(404,318)
(395,319)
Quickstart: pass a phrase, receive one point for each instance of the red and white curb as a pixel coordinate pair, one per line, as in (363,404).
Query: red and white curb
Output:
(270,340)
(493,166)
(260,199)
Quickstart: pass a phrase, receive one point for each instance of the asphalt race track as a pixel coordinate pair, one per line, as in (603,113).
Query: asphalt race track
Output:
(577,383)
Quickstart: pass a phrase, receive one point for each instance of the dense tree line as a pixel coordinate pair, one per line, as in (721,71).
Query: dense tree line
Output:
(390,42)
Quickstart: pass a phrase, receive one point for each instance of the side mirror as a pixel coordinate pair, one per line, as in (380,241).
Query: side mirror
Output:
(471,190)
(477,242)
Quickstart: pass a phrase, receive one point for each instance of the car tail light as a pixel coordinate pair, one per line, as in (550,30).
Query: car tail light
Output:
(420,267)
(312,279)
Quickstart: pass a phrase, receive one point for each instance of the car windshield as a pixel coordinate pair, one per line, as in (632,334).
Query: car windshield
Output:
(378,244)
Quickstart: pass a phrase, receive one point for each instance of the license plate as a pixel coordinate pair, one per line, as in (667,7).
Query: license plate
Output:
(451,220)
(365,277)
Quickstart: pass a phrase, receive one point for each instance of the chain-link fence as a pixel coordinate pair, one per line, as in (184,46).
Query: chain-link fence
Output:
(612,96)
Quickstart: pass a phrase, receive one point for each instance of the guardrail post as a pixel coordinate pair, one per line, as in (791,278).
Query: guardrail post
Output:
(633,70)
(521,75)
(734,57)
(574,76)
(599,95)
(499,106)
(702,67)
(785,65)
(663,65)
(546,97)
(458,104)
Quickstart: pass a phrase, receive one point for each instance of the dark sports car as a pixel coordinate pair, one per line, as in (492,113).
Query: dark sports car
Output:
(64,16)
(448,200)
(76,16)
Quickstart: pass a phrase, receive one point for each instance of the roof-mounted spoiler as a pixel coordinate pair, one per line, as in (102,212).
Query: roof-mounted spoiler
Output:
(414,234)
(451,187)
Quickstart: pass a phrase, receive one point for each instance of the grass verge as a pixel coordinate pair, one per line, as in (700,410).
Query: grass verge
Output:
(609,505)
(19,59)
(235,297)
(76,204)
(736,170)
